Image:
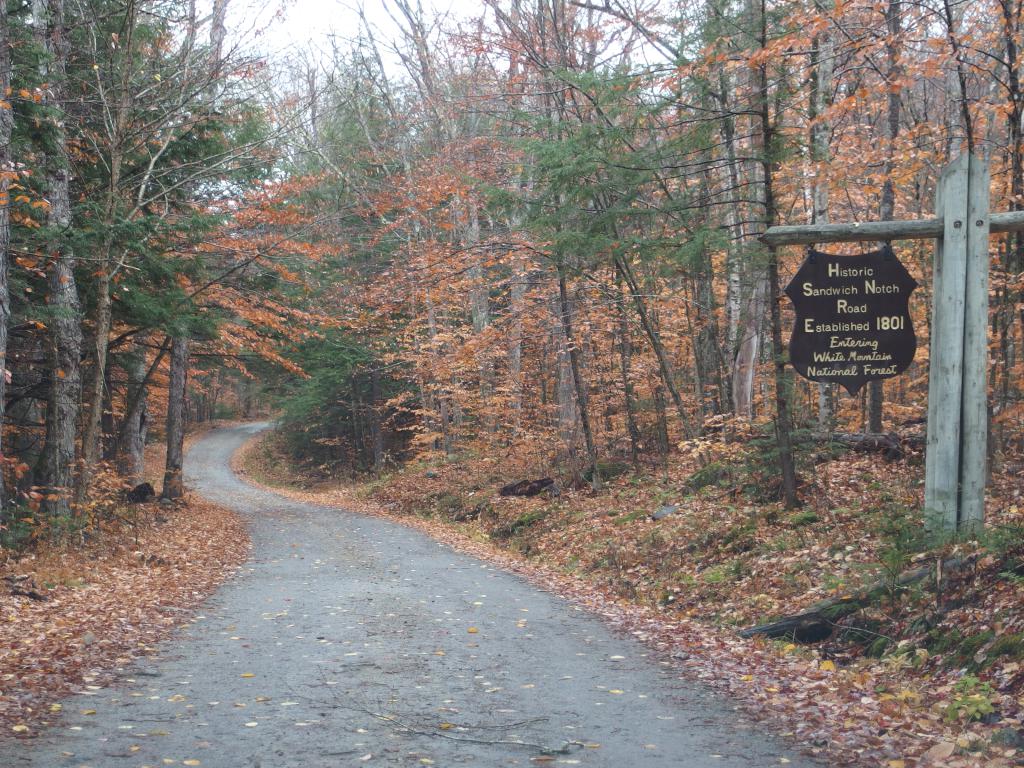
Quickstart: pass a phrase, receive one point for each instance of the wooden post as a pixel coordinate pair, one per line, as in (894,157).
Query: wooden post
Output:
(945,365)
(974,415)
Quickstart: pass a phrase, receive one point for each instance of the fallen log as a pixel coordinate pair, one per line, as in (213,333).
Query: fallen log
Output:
(527,487)
(892,446)
(24,586)
(810,627)
(819,621)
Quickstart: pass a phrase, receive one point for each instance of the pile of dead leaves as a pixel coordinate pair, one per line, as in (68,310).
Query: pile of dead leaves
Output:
(73,615)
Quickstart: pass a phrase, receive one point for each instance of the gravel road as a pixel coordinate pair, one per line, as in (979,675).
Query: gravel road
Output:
(348,641)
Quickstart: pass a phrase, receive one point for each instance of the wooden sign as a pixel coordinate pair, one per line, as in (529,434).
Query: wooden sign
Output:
(853,320)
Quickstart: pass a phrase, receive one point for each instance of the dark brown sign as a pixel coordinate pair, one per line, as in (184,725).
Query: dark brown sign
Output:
(852,318)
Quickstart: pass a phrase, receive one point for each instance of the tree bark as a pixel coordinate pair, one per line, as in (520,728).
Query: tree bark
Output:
(6,128)
(131,443)
(766,131)
(515,350)
(748,349)
(1013,253)
(625,364)
(56,475)
(577,379)
(376,430)
(824,50)
(174,487)
(887,206)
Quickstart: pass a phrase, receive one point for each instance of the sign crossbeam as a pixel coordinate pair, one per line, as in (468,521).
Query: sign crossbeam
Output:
(956,448)
(919,229)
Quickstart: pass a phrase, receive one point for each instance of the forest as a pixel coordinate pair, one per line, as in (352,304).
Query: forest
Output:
(538,233)
(473,250)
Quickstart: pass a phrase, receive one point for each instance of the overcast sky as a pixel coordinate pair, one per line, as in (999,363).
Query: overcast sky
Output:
(278,27)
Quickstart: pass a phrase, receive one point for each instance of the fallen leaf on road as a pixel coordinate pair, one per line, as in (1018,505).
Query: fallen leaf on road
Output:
(939,751)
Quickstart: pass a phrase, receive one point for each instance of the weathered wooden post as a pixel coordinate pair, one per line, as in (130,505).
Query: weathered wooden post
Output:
(956,450)
(955,453)
(974,414)
(945,365)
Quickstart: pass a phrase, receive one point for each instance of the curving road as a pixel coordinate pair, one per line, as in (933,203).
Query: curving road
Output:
(350,641)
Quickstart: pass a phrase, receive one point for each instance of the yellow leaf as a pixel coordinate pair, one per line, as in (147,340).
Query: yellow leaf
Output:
(747,678)
(55,707)
(20,728)
(827,666)
(616,691)
(896,764)
(247,674)
(472,630)
(88,711)
(789,647)
(191,761)
(445,726)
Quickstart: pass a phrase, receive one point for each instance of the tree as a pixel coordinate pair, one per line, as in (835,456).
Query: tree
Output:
(56,474)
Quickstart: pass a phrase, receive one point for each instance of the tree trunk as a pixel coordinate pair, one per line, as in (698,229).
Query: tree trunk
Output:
(56,475)
(131,443)
(748,349)
(174,487)
(515,351)
(376,430)
(95,397)
(766,132)
(565,316)
(1013,253)
(887,207)
(625,364)
(479,301)
(734,219)
(440,398)
(117,127)
(6,128)
(108,431)
(822,72)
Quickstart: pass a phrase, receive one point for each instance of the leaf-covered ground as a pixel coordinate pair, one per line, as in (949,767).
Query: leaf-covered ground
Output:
(106,603)
(914,679)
